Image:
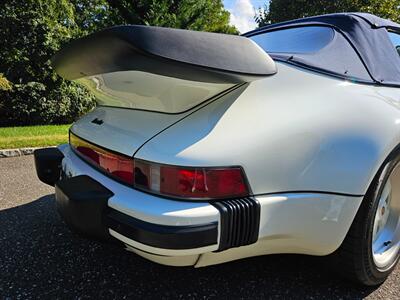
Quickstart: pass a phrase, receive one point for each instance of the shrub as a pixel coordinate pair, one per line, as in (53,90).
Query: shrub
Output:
(31,31)
(33,103)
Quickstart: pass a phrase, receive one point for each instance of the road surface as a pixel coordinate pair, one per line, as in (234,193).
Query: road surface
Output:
(40,257)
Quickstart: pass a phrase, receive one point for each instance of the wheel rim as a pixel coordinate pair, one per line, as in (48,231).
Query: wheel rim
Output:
(386,230)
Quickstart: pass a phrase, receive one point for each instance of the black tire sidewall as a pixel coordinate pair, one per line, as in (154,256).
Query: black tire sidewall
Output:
(372,272)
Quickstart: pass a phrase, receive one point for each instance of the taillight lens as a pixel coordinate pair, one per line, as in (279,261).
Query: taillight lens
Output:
(119,166)
(172,181)
(190,183)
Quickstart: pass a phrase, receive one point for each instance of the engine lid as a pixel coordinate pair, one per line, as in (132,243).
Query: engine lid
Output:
(122,130)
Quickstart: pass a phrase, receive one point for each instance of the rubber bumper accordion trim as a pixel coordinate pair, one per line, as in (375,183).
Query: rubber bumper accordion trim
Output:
(240,222)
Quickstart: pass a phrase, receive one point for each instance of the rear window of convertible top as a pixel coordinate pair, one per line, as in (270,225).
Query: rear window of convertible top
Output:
(304,39)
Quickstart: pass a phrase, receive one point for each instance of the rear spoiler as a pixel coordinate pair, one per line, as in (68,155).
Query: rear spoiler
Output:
(191,55)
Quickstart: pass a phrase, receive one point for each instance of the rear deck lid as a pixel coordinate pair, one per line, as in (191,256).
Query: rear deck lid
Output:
(159,74)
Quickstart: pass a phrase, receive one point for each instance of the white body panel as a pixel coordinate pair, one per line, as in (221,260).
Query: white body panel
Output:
(295,131)
(305,223)
(309,145)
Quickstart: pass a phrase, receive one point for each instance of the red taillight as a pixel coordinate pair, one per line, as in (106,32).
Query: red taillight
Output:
(118,166)
(172,181)
(190,183)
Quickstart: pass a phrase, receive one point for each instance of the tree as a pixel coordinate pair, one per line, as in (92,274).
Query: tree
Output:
(283,10)
(31,32)
(388,9)
(205,15)
(93,15)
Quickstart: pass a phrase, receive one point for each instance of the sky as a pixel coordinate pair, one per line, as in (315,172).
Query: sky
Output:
(242,13)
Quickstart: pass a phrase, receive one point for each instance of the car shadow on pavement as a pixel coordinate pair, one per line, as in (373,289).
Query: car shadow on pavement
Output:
(39,256)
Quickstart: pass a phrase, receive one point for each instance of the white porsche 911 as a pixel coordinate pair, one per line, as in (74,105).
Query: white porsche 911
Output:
(206,148)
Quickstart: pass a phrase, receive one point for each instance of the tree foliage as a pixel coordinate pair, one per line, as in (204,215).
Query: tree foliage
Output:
(5,85)
(31,32)
(283,10)
(205,15)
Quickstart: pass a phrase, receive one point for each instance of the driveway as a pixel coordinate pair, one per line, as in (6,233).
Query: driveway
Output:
(39,257)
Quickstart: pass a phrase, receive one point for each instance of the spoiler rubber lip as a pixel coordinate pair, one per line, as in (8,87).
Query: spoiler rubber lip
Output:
(184,54)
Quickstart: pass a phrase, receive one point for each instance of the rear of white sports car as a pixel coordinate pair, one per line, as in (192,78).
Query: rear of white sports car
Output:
(195,157)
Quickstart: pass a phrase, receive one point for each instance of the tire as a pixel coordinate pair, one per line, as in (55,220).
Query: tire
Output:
(355,259)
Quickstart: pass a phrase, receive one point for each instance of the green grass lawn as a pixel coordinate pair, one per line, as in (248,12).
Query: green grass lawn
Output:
(33,136)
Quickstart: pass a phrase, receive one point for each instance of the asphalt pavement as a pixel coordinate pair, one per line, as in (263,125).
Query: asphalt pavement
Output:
(41,258)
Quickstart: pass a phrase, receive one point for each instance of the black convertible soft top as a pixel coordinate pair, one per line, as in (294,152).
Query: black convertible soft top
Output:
(366,33)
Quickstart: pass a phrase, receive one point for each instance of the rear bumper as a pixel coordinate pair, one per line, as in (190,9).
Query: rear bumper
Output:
(99,206)
(198,233)
(82,202)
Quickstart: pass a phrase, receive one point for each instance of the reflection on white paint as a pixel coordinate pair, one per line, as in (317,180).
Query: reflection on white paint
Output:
(335,209)
(346,83)
(141,90)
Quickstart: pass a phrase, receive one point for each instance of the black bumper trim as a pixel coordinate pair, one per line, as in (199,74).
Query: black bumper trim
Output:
(162,236)
(240,222)
(48,164)
(81,202)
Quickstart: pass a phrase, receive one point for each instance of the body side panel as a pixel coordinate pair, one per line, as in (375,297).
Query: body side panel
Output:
(295,131)
(295,223)
(307,223)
